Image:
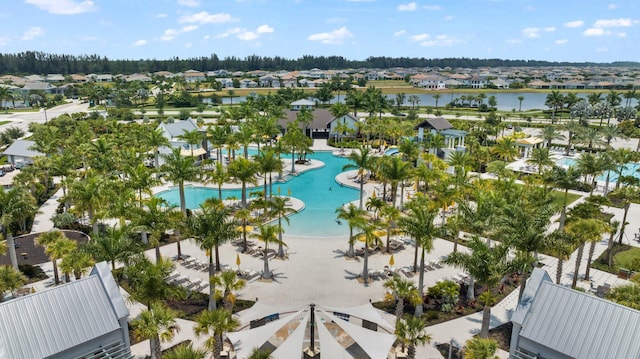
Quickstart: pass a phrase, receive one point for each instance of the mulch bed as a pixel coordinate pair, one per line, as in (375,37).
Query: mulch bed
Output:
(30,253)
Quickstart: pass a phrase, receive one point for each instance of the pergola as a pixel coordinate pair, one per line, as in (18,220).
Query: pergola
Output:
(529,144)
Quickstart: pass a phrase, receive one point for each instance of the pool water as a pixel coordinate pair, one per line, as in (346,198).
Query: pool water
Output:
(631,169)
(317,188)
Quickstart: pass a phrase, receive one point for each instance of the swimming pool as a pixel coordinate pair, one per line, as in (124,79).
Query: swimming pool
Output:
(317,188)
(631,169)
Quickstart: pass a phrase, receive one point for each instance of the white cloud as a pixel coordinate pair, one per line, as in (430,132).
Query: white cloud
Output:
(399,33)
(622,34)
(335,37)
(441,40)
(531,32)
(63,7)
(514,41)
(206,37)
(561,41)
(612,6)
(140,42)
(204,17)
(420,37)
(32,33)
(169,34)
(161,16)
(407,7)
(247,35)
(550,29)
(189,28)
(188,45)
(595,31)
(613,23)
(4,40)
(448,18)
(189,3)
(432,7)
(264,29)
(576,23)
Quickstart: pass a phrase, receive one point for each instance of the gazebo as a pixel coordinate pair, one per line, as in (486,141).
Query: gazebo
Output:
(529,144)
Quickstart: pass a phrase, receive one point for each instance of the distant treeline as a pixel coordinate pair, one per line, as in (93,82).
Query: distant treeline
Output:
(34,62)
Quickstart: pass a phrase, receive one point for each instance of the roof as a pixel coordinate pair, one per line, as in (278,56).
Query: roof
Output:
(580,325)
(529,141)
(321,118)
(22,148)
(48,322)
(453,133)
(437,123)
(178,128)
(303,102)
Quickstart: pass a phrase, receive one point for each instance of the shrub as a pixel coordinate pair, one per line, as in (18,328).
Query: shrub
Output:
(33,273)
(64,220)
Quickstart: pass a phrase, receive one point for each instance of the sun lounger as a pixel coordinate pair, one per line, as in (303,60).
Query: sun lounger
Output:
(250,274)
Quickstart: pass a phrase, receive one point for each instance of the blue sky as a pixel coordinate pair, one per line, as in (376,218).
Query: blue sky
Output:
(558,30)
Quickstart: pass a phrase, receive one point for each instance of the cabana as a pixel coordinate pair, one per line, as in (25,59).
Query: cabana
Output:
(529,144)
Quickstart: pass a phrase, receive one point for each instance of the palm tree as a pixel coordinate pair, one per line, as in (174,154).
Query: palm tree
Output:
(158,324)
(481,348)
(155,218)
(214,323)
(584,230)
(420,225)
(279,207)
(390,216)
(212,227)
(268,161)
(410,332)
(219,176)
(550,133)
(554,100)
(520,99)
(258,353)
(77,262)
(622,157)
(565,180)
(148,283)
(561,245)
(10,280)
(362,161)
(541,158)
(140,178)
(399,290)
(575,129)
(192,138)
(610,133)
(16,205)
(185,351)
(228,280)
(89,195)
(355,219)
(591,137)
(114,244)
(437,97)
(56,245)
(395,170)
(506,149)
(267,234)
(244,170)
(490,265)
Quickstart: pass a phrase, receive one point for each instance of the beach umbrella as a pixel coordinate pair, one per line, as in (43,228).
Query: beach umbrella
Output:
(380,233)
(289,192)
(278,190)
(373,195)
(246,228)
(391,261)
(238,260)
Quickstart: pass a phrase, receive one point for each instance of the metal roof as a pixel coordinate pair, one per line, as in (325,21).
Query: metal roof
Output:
(22,148)
(178,128)
(580,325)
(48,322)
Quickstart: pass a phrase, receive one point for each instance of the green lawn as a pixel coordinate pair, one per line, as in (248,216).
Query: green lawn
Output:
(4,122)
(558,197)
(625,257)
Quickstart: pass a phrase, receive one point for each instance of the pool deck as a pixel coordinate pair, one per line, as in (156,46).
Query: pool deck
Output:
(316,271)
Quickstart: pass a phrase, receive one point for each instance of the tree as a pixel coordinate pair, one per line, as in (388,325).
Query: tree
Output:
(437,97)
(211,227)
(140,178)
(180,169)
(114,244)
(158,324)
(520,99)
(267,234)
(395,170)
(229,282)
(244,170)
(77,262)
(279,207)
(584,230)
(564,179)
(399,290)
(506,149)
(554,100)
(16,205)
(268,161)
(193,137)
(490,265)
(56,245)
(185,351)
(550,133)
(362,161)
(10,280)
(258,353)
(410,331)
(480,348)
(214,323)
(626,294)
(371,240)
(355,219)
(541,158)
(561,245)
(420,225)
(354,99)
(148,283)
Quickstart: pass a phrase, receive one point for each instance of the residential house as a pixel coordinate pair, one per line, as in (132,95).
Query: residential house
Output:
(78,78)
(453,139)
(302,104)
(34,78)
(191,76)
(433,82)
(476,82)
(137,77)
(554,321)
(86,318)
(174,131)
(20,152)
(346,125)
(319,126)
(54,78)
(247,83)
(40,86)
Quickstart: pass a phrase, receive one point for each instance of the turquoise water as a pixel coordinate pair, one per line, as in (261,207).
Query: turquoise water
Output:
(317,188)
(631,169)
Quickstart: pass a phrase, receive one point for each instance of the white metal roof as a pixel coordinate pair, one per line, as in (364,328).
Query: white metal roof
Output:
(22,148)
(45,323)
(581,326)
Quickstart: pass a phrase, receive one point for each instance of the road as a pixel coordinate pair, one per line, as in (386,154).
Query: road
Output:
(23,119)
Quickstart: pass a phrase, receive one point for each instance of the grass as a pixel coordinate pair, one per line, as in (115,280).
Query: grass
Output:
(558,198)
(625,256)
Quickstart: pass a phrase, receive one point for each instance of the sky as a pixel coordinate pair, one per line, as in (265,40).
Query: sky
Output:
(558,30)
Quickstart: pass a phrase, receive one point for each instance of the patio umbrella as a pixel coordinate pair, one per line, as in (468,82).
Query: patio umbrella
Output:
(238,260)
(289,192)
(278,190)
(380,233)
(244,229)
(373,195)
(391,261)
